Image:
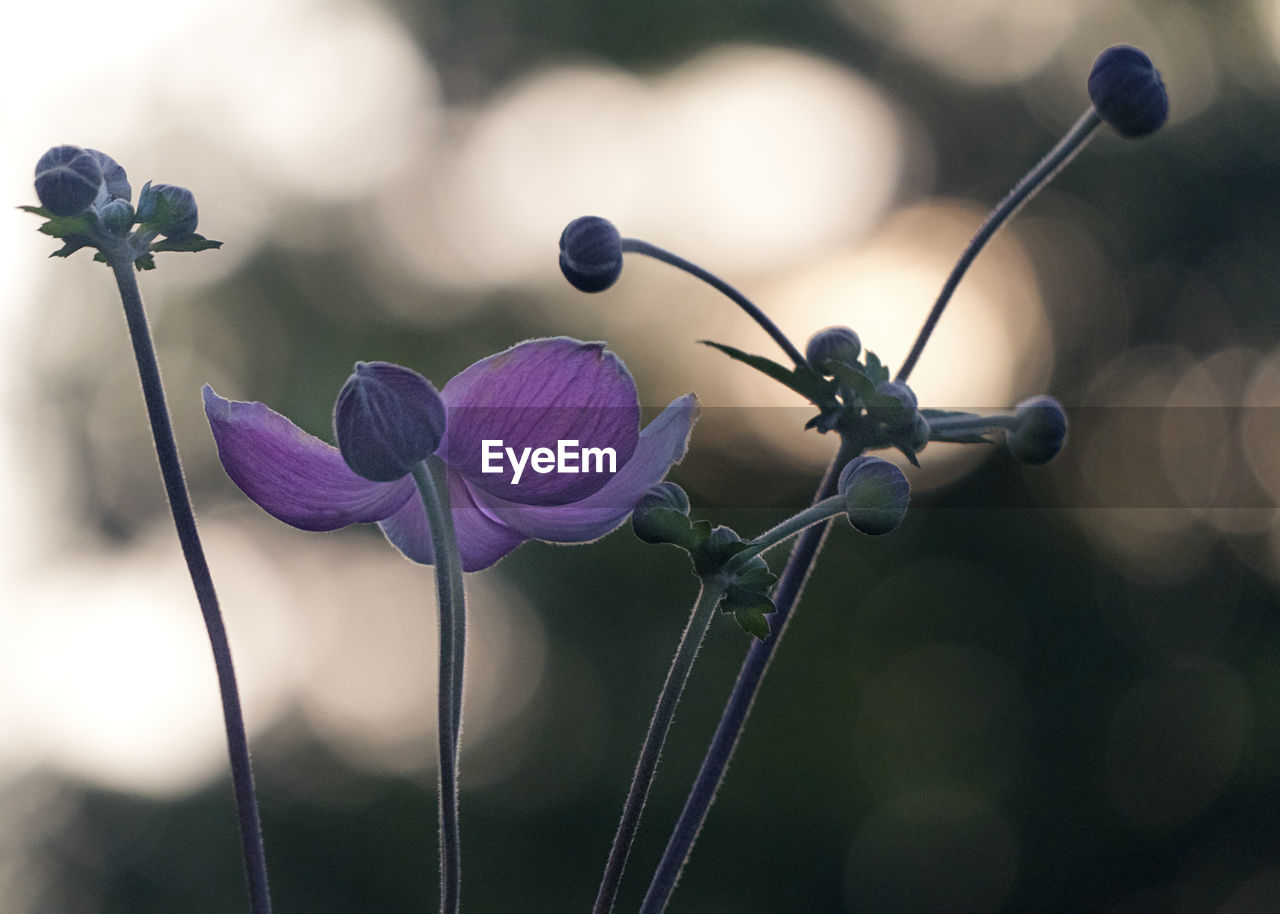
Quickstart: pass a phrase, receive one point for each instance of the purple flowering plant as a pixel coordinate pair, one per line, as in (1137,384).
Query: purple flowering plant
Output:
(543,441)
(531,396)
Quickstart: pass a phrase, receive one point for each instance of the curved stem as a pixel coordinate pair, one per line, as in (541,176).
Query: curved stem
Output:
(433,488)
(255,861)
(814,514)
(713,588)
(716,761)
(637,246)
(1023,191)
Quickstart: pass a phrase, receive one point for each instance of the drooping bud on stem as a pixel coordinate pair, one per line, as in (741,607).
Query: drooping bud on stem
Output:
(387,419)
(876,494)
(662,514)
(834,344)
(591,253)
(1039,430)
(1127,91)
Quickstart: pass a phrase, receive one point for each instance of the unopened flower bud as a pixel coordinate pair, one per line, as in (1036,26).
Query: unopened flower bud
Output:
(876,494)
(834,344)
(1127,91)
(591,253)
(899,391)
(1039,430)
(665,495)
(168,210)
(117,217)
(387,420)
(67,180)
(114,179)
(662,514)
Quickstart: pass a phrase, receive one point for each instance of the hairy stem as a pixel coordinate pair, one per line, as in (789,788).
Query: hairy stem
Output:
(433,487)
(1024,190)
(734,717)
(713,589)
(255,861)
(637,246)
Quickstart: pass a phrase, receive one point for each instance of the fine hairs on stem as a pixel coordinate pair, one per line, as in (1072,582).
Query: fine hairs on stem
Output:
(1128,94)
(85,196)
(252,849)
(433,489)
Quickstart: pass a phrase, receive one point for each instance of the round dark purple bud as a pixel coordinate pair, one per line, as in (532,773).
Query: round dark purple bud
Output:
(591,253)
(67,180)
(387,420)
(876,494)
(1127,91)
(834,344)
(1039,430)
(168,209)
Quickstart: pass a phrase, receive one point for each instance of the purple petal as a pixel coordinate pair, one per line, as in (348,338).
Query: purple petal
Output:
(481,539)
(292,475)
(534,396)
(662,443)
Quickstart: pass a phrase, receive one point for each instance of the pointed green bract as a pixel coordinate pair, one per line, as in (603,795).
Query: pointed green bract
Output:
(804,381)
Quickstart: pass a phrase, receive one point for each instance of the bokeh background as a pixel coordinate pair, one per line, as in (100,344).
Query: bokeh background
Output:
(1053,689)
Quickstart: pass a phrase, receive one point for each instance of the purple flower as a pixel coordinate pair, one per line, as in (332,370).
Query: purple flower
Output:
(542,441)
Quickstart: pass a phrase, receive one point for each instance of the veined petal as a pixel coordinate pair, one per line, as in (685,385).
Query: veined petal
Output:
(292,475)
(535,396)
(662,444)
(481,539)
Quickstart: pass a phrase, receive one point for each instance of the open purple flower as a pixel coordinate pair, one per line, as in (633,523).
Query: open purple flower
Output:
(542,441)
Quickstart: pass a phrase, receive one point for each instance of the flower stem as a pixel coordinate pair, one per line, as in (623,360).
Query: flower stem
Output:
(635,245)
(716,761)
(255,861)
(433,487)
(713,588)
(941,426)
(814,514)
(969,423)
(1023,191)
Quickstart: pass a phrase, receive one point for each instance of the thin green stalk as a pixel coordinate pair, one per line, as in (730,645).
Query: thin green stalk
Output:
(967,423)
(734,718)
(814,514)
(713,588)
(635,245)
(1023,191)
(255,861)
(452,615)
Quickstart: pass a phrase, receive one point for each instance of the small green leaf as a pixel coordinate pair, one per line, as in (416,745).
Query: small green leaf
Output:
(861,385)
(81,224)
(753,622)
(662,525)
(698,532)
(756,576)
(72,245)
(190,244)
(875,371)
(804,381)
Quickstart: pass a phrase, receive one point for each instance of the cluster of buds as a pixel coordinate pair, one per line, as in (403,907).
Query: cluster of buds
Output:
(86,197)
